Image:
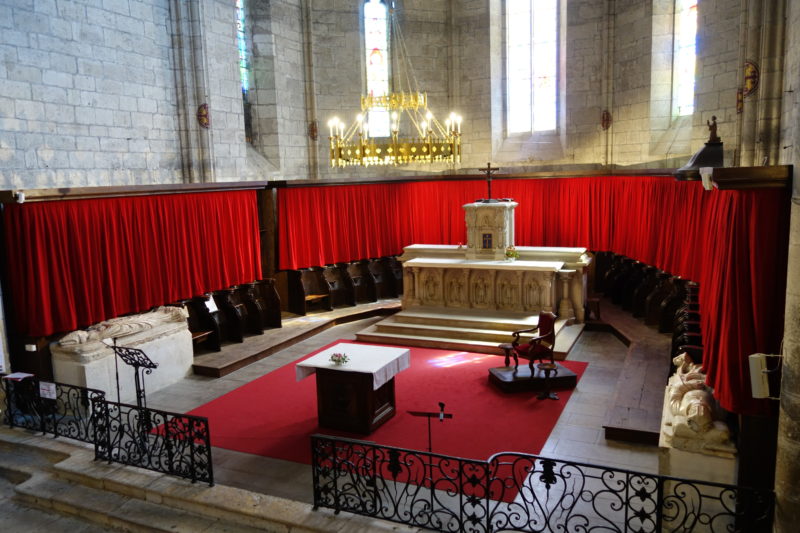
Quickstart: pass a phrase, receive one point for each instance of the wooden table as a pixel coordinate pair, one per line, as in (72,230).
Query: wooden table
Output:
(358,396)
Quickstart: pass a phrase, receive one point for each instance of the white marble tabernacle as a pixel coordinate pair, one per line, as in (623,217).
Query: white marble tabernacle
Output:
(85,357)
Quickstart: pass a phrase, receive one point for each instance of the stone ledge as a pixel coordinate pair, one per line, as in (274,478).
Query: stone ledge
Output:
(221,505)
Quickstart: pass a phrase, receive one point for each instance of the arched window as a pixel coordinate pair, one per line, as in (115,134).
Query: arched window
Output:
(376,45)
(683,58)
(244,69)
(531,65)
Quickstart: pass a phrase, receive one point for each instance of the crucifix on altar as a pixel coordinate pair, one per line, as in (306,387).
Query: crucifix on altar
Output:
(490,224)
(488,171)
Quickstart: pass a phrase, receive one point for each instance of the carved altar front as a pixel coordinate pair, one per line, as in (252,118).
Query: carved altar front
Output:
(479,276)
(543,279)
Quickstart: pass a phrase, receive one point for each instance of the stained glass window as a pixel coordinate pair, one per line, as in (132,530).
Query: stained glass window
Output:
(684,55)
(376,44)
(244,69)
(532,65)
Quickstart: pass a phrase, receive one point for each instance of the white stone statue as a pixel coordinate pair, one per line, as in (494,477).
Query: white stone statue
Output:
(691,420)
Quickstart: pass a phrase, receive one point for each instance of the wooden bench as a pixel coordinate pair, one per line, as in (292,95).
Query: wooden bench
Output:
(308,289)
(203,323)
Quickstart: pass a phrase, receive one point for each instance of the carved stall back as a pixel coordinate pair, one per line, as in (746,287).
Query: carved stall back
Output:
(247,295)
(396,268)
(384,279)
(204,324)
(363,282)
(234,313)
(341,287)
(307,290)
(270,302)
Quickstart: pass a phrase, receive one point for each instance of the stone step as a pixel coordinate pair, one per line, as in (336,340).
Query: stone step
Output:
(371,334)
(468,318)
(114,510)
(442,330)
(134,499)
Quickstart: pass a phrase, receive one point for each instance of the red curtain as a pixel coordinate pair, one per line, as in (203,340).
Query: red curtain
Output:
(734,243)
(323,225)
(75,263)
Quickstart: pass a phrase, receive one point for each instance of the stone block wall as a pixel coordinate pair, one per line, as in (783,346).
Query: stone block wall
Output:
(224,89)
(105,92)
(86,94)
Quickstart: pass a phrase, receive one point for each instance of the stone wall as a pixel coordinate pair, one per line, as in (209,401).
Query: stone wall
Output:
(86,94)
(107,92)
(787,469)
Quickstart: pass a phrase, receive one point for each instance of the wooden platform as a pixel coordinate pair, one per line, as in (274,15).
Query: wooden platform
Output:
(254,348)
(635,413)
(508,380)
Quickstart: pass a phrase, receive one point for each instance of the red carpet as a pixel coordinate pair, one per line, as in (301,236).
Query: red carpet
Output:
(275,415)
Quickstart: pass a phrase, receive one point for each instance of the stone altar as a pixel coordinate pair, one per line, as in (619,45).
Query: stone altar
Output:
(481,276)
(85,357)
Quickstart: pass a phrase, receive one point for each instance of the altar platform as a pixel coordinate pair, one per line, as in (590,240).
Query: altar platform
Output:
(469,330)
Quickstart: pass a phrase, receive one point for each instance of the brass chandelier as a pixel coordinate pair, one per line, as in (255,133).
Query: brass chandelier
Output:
(421,138)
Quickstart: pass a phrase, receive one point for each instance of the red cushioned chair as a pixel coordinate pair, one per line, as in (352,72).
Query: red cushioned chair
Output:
(538,348)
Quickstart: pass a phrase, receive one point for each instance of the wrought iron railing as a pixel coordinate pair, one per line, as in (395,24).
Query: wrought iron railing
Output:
(63,411)
(171,443)
(517,492)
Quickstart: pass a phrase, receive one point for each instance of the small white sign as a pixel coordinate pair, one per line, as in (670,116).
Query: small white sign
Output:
(211,305)
(47,390)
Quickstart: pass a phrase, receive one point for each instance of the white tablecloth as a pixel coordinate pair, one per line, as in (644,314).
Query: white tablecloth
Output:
(380,361)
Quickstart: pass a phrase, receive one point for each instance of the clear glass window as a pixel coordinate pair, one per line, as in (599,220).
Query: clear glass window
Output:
(532,65)
(683,59)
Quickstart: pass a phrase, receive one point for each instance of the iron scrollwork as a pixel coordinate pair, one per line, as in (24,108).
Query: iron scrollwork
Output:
(519,492)
(171,443)
(70,414)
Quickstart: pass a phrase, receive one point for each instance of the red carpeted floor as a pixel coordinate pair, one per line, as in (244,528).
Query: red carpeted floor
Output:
(275,415)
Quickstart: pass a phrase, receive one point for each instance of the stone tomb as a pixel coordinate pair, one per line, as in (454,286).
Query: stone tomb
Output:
(85,357)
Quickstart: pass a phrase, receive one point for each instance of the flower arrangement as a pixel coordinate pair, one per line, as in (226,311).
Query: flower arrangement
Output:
(339,358)
(512,253)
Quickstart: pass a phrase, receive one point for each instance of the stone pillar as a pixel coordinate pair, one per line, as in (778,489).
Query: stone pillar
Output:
(787,464)
(565,309)
(759,142)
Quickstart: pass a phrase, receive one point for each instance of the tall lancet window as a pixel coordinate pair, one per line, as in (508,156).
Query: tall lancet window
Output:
(531,65)
(376,44)
(683,59)
(244,69)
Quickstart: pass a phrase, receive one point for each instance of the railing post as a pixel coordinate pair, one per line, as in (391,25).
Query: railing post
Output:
(8,388)
(659,503)
(335,471)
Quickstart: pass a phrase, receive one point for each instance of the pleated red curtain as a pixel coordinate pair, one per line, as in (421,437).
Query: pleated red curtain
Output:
(75,263)
(734,243)
(324,225)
